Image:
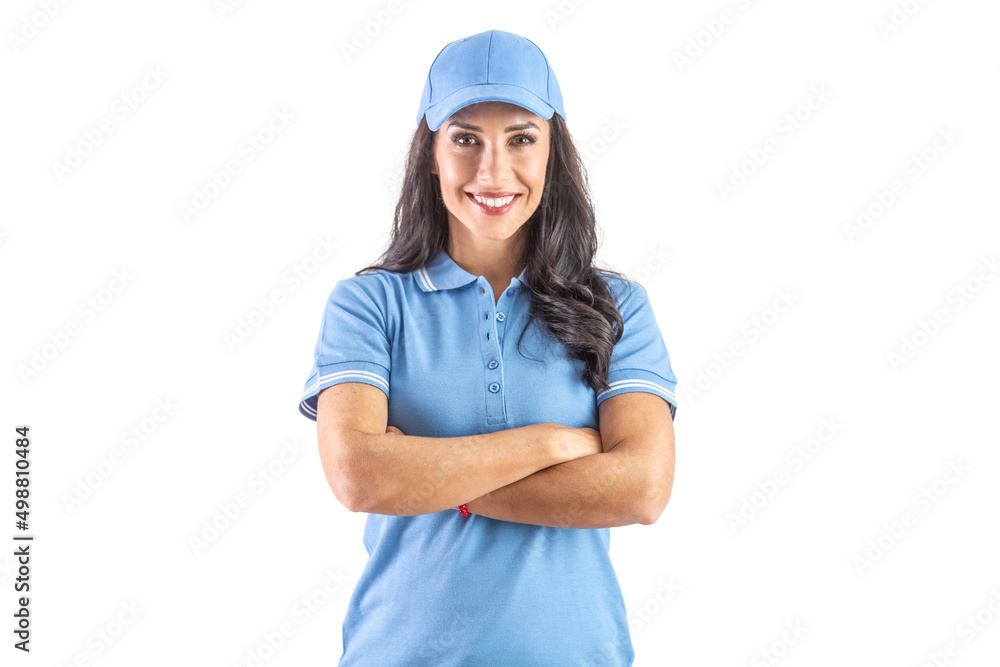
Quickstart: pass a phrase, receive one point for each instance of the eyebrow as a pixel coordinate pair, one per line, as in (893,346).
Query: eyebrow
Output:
(513,128)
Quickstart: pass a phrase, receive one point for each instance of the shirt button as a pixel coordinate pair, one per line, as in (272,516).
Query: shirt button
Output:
(500,317)
(486,314)
(493,364)
(494,387)
(510,291)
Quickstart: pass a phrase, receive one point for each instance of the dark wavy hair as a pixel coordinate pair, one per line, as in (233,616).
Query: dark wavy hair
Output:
(567,293)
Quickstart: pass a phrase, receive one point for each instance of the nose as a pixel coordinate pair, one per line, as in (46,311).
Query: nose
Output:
(494,164)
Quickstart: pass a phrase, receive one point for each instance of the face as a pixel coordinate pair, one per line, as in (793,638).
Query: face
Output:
(493,150)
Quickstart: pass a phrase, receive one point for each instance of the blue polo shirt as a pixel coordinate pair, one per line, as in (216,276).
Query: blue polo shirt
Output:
(445,590)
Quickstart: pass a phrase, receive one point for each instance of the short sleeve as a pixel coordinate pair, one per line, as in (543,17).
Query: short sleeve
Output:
(353,344)
(639,360)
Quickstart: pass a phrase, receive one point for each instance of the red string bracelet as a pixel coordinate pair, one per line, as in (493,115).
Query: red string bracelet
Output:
(463,510)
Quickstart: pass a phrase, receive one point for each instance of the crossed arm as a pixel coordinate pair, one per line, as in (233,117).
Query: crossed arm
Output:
(630,482)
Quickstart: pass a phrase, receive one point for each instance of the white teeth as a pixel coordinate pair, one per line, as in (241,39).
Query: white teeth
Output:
(495,203)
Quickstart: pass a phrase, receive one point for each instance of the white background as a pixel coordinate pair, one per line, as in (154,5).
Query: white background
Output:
(672,133)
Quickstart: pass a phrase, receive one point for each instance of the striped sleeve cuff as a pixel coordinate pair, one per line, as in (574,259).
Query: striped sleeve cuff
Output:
(345,371)
(625,380)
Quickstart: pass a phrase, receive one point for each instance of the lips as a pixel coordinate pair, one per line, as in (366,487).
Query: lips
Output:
(493,210)
(493,195)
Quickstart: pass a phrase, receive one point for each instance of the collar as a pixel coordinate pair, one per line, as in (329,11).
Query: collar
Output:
(441,273)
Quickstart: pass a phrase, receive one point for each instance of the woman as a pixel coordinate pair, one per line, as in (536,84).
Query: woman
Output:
(426,403)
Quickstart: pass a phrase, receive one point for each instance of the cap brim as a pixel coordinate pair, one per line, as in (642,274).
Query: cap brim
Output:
(487,92)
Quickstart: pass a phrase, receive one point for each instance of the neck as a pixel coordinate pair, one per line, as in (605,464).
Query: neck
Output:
(497,261)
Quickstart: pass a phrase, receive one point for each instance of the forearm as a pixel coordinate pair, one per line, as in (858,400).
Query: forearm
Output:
(404,475)
(596,491)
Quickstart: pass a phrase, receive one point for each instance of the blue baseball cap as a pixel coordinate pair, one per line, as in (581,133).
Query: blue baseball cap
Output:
(491,66)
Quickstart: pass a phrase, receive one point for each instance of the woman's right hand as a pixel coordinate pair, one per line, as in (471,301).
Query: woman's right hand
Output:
(576,442)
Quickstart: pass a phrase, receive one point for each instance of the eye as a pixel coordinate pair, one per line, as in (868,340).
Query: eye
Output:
(519,140)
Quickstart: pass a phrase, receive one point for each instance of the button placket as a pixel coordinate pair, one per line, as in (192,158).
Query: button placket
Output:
(490,336)
(502,306)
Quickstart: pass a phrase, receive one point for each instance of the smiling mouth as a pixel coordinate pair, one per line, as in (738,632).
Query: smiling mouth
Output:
(496,202)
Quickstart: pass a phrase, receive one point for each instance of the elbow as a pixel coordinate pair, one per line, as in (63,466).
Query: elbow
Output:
(650,517)
(651,513)
(345,478)
(346,488)
(656,499)
(355,501)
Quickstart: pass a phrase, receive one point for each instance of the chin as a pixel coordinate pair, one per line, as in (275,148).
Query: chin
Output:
(494,237)
(494,233)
